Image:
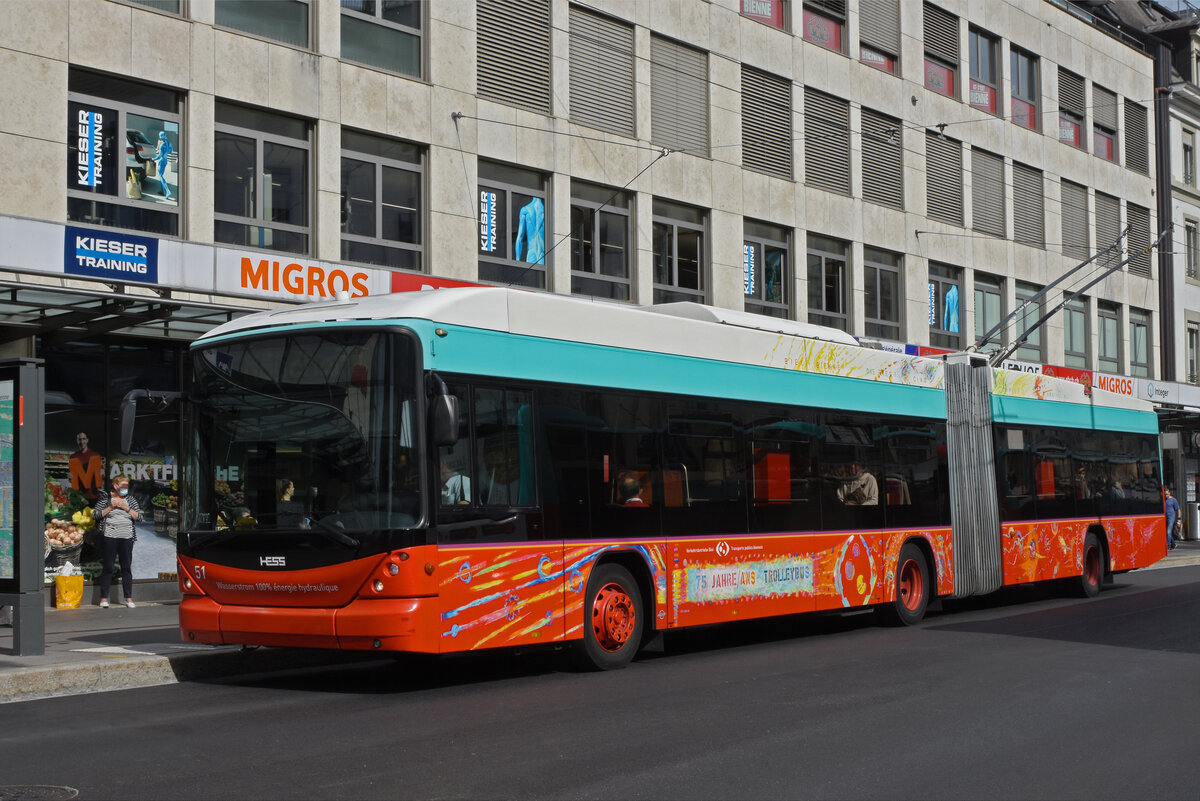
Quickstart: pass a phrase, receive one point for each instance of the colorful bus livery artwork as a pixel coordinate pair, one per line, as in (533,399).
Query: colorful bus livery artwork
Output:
(481,467)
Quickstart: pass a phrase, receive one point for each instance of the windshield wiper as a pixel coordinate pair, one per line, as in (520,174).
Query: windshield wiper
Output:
(335,532)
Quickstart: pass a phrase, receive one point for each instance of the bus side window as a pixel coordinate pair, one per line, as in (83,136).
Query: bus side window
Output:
(504,446)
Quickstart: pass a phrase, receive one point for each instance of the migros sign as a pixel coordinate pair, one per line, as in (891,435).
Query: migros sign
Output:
(308,281)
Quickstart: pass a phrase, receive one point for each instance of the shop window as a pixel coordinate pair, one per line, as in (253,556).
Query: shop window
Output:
(679,252)
(1104,123)
(776,13)
(945,286)
(766,269)
(989,308)
(1075,334)
(941,51)
(766,110)
(282,20)
(824,23)
(1139,343)
(512,225)
(985,74)
(513,52)
(602,55)
(123,153)
(1030,349)
(1108,358)
(1024,89)
(600,239)
(828,293)
(261,165)
(1071,107)
(678,96)
(881,293)
(879,34)
(381,201)
(384,34)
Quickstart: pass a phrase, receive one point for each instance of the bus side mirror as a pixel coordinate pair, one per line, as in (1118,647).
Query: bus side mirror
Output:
(443,419)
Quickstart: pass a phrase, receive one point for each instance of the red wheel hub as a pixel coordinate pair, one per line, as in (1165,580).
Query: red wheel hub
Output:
(910,587)
(613,617)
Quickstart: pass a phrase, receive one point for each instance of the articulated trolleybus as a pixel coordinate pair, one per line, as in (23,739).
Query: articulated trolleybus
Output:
(483,467)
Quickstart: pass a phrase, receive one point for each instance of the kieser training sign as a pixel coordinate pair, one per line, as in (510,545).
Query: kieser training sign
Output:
(110,256)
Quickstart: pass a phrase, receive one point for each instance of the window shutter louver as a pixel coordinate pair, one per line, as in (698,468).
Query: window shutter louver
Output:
(941,34)
(987,193)
(513,49)
(879,25)
(1074,221)
(1137,139)
(1071,96)
(602,84)
(1104,108)
(678,97)
(1029,206)
(826,142)
(943,178)
(882,162)
(1108,226)
(1139,240)
(832,8)
(766,123)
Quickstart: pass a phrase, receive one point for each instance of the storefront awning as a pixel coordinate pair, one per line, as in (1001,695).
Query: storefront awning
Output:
(59,313)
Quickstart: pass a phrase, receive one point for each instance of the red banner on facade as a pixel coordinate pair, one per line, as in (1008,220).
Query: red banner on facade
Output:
(408,282)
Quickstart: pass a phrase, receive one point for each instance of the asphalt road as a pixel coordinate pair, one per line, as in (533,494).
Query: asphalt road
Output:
(1021,695)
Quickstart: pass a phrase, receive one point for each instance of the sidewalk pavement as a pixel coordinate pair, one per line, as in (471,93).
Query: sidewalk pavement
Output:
(94,650)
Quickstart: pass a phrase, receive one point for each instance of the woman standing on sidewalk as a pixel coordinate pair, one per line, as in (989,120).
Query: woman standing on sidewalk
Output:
(118,511)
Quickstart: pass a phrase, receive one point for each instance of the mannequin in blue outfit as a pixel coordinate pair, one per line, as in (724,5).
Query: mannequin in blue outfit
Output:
(532,230)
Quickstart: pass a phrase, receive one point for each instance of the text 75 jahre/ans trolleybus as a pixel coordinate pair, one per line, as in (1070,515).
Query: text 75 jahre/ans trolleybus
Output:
(483,467)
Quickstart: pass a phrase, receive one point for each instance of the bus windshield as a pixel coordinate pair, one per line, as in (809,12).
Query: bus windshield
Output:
(311,431)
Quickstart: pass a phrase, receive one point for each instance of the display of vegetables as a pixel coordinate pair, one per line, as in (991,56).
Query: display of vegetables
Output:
(65,533)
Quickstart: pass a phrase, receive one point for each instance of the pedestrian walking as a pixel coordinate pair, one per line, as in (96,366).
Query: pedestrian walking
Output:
(1173,519)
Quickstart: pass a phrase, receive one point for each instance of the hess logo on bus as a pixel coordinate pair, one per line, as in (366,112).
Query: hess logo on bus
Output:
(272,561)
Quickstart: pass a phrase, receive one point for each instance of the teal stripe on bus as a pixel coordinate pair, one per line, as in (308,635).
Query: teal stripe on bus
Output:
(1031,412)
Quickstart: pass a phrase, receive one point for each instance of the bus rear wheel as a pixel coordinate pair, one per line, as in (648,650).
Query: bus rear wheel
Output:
(1089,582)
(613,619)
(913,588)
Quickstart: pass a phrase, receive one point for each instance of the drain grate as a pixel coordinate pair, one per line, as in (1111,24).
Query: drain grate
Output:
(36,792)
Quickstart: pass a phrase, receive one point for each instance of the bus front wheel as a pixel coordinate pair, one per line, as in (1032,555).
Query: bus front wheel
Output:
(913,588)
(613,619)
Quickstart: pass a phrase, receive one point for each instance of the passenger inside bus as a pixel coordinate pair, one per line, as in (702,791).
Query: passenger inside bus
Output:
(860,488)
(288,511)
(456,487)
(629,489)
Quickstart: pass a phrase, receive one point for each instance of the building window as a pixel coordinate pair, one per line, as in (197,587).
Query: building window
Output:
(941,50)
(943,178)
(1138,220)
(261,167)
(1075,334)
(1030,338)
(1108,228)
(827,275)
(882,159)
(988,193)
(123,153)
(513,51)
(776,13)
(1029,206)
(766,110)
(879,33)
(600,234)
(1074,201)
(1104,123)
(989,308)
(944,316)
(766,269)
(824,21)
(1193,353)
(1189,158)
(602,55)
(282,20)
(1139,343)
(381,201)
(881,293)
(679,96)
(170,6)
(1108,359)
(827,124)
(1137,138)
(384,34)
(985,73)
(512,225)
(1190,242)
(679,255)
(1024,89)
(1071,106)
